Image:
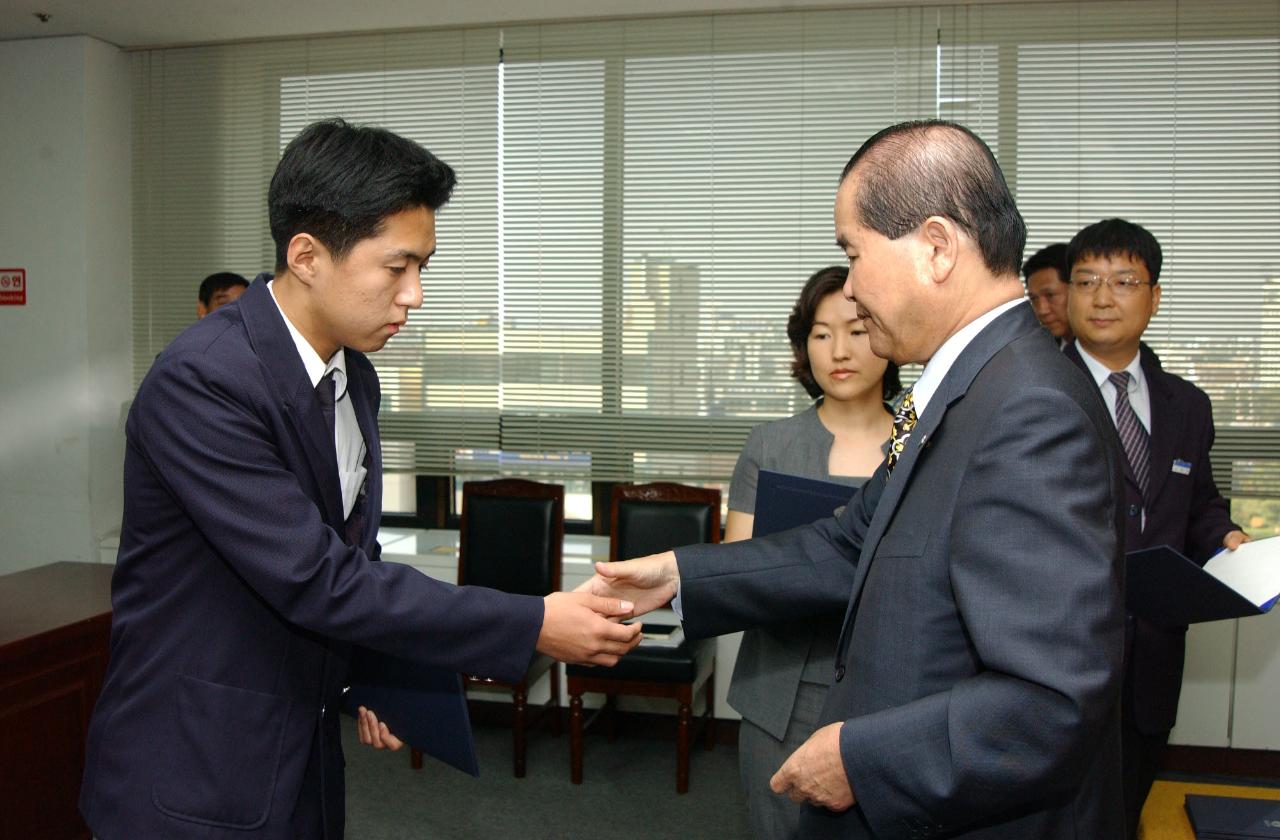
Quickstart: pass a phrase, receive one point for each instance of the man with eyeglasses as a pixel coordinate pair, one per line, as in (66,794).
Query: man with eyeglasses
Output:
(1166,431)
(1045,275)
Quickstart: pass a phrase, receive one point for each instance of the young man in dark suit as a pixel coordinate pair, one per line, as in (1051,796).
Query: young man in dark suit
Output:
(1166,429)
(253,491)
(977,674)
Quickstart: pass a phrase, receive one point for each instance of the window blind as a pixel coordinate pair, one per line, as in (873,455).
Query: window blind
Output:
(1167,114)
(669,187)
(641,200)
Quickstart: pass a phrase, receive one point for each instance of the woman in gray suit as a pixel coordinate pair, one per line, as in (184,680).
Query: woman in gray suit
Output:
(783,671)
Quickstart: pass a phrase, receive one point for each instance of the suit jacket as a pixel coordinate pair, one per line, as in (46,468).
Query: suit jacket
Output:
(1185,512)
(978,670)
(237,602)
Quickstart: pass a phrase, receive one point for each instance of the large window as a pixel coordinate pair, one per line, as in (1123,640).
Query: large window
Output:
(640,201)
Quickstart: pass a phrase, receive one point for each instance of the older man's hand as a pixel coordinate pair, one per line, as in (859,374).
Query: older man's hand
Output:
(815,772)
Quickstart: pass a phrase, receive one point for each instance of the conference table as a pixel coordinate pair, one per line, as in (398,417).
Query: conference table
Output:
(55,632)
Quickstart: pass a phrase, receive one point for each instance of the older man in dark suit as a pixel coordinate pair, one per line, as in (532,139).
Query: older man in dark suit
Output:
(253,484)
(1166,428)
(977,674)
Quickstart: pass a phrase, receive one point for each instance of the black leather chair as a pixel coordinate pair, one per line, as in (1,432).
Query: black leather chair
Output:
(647,519)
(512,539)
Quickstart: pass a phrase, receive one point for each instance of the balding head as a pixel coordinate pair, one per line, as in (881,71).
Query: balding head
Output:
(911,171)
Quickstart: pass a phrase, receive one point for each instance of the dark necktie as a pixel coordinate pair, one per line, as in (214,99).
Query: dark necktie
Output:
(1133,437)
(326,390)
(903,422)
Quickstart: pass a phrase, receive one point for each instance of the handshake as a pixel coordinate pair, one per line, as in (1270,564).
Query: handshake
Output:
(585,626)
(582,627)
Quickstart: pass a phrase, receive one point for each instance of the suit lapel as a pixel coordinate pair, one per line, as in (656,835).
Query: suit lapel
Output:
(273,344)
(994,337)
(1166,424)
(358,387)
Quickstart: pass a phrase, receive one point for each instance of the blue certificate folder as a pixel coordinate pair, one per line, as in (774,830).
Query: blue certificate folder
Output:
(1169,590)
(1222,817)
(787,501)
(423,706)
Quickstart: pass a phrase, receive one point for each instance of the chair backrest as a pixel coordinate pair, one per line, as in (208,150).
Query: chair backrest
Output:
(512,535)
(649,518)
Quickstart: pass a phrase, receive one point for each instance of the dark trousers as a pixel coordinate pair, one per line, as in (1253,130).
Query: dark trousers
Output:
(1140,756)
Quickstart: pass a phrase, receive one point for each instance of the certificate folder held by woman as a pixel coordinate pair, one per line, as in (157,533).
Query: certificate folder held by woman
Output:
(789,501)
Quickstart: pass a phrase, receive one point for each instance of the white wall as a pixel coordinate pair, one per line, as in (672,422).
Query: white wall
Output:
(65,216)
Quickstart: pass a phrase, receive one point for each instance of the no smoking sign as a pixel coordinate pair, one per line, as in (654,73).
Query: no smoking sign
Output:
(13,287)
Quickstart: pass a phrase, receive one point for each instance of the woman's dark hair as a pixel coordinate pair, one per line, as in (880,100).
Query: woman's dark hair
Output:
(829,280)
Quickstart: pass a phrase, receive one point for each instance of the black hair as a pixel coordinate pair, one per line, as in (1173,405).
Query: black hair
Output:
(914,170)
(1050,256)
(339,183)
(826,281)
(1116,237)
(215,283)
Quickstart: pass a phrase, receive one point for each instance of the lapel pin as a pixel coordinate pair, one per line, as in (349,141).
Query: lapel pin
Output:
(1181,467)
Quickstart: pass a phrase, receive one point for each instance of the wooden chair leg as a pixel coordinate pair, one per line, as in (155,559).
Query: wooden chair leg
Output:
(710,725)
(611,706)
(682,748)
(575,739)
(519,706)
(415,759)
(557,722)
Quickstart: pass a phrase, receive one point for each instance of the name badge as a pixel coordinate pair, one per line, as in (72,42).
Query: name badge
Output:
(1181,467)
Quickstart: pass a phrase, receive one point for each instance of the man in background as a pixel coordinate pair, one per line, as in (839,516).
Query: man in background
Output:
(1165,426)
(1045,274)
(218,290)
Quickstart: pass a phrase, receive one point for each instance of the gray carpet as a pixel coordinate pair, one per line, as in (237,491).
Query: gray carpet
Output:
(628,790)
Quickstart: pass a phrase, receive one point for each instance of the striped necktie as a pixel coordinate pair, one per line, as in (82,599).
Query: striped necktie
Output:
(1133,437)
(903,422)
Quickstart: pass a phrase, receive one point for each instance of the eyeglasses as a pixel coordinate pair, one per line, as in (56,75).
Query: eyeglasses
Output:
(1122,285)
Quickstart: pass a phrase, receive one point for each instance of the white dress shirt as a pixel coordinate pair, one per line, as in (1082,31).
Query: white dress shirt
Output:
(347,440)
(1139,393)
(936,369)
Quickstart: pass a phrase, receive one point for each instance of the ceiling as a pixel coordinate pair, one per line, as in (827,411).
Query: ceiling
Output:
(151,23)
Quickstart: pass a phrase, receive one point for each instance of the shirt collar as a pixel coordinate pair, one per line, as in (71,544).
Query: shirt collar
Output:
(937,367)
(316,367)
(1101,373)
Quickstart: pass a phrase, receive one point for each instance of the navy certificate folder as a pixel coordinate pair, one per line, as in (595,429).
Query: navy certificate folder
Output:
(423,706)
(1169,590)
(786,501)
(1223,817)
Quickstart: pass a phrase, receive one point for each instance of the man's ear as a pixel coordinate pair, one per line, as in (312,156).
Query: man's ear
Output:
(201,309)
(306,257)
(1155,299)
(941,238)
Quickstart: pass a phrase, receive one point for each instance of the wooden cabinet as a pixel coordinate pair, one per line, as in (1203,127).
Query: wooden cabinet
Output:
(55,628)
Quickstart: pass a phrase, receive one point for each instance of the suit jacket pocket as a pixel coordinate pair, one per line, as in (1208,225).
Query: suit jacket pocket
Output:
(904,543)
(222,754)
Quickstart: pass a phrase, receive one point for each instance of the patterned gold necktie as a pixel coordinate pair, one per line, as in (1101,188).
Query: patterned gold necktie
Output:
(903,422)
